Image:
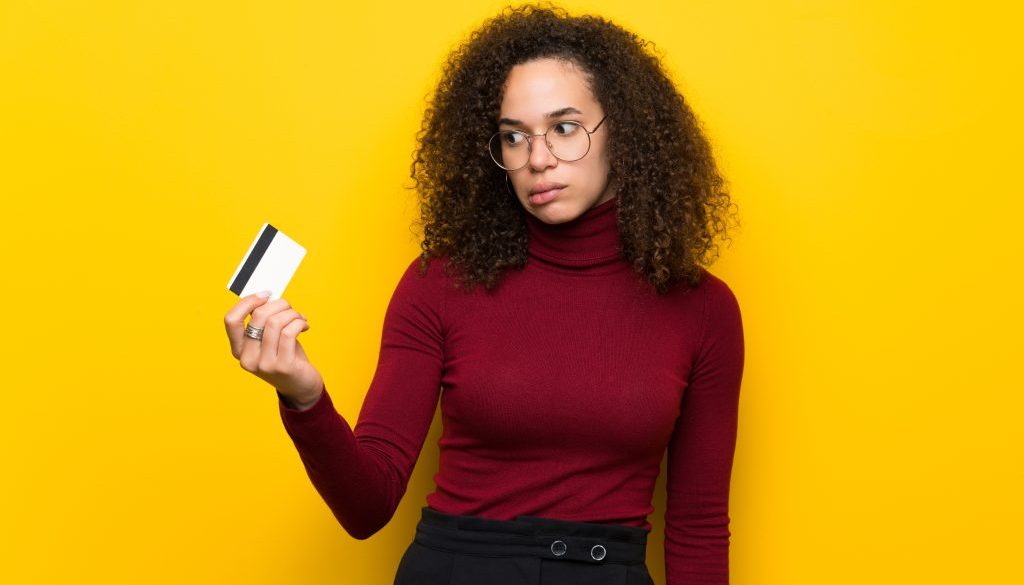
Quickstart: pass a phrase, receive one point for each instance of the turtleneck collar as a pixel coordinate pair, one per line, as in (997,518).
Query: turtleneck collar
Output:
(590,242)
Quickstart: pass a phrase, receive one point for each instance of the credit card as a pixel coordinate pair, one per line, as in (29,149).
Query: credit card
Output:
(268,265)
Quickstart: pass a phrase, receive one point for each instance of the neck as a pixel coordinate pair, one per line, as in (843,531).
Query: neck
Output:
(586,243)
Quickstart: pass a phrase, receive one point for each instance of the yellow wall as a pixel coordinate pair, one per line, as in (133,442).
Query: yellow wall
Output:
(872,148)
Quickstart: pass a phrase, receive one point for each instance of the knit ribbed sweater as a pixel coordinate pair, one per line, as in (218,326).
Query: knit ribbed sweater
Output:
(561,391)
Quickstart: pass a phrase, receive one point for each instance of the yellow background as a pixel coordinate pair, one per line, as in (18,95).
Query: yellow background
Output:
(872,148)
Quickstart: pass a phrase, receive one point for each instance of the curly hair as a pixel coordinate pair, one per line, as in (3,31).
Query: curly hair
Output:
(671,199)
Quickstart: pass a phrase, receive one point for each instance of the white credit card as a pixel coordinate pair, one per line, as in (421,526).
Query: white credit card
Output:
(268,265)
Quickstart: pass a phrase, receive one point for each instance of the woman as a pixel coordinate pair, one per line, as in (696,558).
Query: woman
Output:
(568,201)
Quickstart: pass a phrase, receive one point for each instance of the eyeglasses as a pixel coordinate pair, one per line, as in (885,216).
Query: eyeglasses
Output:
(570,141)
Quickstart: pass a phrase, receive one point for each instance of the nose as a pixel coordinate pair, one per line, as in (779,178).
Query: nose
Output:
(540,154)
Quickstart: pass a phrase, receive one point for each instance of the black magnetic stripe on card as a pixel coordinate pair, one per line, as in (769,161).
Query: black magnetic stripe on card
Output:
(262,244)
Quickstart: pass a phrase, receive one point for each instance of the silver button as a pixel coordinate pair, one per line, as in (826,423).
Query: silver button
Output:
(598,552)
(558,548)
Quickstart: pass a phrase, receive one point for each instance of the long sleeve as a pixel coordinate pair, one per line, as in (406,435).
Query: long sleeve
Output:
(362,473)
(701,449)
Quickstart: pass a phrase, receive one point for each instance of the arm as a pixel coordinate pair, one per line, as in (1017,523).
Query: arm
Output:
(701,449)
(362,474)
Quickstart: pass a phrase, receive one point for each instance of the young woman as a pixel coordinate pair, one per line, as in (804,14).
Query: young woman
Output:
(569,200)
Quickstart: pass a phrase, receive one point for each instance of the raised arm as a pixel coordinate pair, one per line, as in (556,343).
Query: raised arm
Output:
(701,449)
(362,474)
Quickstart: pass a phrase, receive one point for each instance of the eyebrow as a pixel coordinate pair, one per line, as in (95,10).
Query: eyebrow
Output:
(555,114)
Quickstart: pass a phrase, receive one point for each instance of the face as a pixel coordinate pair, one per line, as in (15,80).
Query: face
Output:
(533,91)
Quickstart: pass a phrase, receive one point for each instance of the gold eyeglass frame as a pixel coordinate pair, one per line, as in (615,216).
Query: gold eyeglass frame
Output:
(530,137)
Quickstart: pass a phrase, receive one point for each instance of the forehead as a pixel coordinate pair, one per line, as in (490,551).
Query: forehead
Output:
(542,85)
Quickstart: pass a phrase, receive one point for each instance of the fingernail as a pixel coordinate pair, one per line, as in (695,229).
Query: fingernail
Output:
(263,294)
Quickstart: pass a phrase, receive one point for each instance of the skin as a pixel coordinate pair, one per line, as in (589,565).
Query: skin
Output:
(532,90)
(278,358)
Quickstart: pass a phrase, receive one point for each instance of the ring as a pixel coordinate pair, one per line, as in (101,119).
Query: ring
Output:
(254,332)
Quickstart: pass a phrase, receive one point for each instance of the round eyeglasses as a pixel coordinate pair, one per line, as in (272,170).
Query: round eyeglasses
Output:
(567,140)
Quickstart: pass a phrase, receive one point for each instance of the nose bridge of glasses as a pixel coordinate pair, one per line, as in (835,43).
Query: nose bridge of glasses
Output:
(547,144)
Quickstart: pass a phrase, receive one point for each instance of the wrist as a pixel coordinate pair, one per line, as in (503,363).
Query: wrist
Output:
(301,402)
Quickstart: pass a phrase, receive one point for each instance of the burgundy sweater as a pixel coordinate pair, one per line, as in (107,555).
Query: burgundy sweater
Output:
(560,391)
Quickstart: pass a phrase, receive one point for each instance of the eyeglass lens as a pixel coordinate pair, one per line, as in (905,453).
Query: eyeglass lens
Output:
(568,141)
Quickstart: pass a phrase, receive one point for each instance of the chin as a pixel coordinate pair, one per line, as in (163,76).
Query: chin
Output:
(559,211)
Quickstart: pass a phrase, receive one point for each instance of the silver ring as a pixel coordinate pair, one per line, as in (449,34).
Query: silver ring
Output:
(254,332)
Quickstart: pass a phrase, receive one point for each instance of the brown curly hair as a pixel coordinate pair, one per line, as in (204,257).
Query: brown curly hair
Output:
(671,199)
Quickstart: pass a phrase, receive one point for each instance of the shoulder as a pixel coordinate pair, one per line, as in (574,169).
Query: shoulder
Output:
(423,280)
(716,290)
(721,307)
(430,272)
(418,303)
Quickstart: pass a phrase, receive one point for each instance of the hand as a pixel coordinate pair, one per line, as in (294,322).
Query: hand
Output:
(278,358)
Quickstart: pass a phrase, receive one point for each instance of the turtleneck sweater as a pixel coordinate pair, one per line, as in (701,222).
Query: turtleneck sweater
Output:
(561,389)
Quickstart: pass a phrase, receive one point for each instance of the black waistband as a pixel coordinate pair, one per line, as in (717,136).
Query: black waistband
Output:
(532,535)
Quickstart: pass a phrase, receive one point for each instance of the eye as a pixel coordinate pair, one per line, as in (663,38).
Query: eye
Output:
(513,138)
(565,128)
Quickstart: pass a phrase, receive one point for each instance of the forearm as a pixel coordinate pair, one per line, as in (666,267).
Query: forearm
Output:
(362,471)
(352,479)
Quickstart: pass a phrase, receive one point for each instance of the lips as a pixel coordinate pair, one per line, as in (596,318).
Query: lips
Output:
(545,186)
(544,196)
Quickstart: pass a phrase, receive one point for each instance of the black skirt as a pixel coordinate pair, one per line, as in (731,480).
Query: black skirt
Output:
(530,550)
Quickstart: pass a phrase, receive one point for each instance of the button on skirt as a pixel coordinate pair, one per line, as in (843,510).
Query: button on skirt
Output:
(530,550)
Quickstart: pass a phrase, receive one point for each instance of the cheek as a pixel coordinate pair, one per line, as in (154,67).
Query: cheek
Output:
(520,185)
(597,172)
(599,153)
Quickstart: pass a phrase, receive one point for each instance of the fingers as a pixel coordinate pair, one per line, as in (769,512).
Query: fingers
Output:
(272,334)
(252,348)
(235,319)
(289,340)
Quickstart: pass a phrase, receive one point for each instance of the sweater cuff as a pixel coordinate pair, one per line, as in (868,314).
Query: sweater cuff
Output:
(322,406)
